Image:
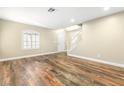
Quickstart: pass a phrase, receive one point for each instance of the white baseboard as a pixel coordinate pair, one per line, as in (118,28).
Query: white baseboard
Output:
(97,60)
(14,58)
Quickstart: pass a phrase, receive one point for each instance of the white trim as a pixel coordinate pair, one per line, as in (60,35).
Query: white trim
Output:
(14,58)
(97,60)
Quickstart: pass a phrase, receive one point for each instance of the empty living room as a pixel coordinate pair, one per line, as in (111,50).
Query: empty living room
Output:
(61,46)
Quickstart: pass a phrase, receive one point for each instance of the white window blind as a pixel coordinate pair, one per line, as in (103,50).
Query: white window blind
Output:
(31,40)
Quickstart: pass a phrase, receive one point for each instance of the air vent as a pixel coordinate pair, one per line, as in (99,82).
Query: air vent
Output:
(51,9)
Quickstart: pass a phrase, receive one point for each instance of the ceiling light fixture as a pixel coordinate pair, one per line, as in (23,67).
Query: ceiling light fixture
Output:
(72,20)
(51,9)
(106,8)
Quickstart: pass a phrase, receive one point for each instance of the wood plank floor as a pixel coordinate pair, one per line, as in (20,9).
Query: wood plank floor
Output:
(59,69)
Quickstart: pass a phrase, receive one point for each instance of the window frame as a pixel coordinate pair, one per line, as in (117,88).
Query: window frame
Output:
(30,31)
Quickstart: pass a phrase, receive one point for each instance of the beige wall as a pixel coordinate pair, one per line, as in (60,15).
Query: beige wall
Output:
(11,39)
(102,39)
(0,41)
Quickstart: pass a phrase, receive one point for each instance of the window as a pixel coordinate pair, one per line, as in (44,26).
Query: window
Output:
(31,40)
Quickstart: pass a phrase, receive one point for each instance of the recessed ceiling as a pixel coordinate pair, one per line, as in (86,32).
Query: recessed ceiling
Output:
(60,18)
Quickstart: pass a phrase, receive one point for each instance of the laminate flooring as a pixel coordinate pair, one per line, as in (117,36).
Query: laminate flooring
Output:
(59,70)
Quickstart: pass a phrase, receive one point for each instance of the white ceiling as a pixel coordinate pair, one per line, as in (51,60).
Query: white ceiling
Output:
(58,19)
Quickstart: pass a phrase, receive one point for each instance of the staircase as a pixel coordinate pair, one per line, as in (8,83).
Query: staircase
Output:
(77,36)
